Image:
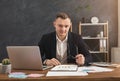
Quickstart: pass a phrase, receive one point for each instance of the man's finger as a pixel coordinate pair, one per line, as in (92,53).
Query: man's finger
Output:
(55,61)
(79,56)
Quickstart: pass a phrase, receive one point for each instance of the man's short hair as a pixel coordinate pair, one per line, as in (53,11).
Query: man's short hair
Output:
(62,15)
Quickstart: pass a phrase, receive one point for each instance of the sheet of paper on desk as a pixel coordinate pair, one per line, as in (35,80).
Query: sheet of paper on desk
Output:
(93,69)
(105,64)
(59,73)
(65,68)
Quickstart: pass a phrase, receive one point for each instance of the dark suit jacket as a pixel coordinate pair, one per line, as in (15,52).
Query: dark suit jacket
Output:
(48,47)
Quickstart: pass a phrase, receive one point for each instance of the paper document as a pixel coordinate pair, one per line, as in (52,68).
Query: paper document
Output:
(93,69)
(106,64)
(65,68)
(55,73)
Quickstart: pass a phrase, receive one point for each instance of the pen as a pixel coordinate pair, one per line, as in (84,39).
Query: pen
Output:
(76,52)
(76,49)
(73,57)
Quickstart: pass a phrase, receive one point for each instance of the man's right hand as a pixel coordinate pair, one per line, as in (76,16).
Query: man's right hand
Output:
(52,62)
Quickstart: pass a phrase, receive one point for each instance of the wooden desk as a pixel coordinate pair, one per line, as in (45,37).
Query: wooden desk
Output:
(105,76)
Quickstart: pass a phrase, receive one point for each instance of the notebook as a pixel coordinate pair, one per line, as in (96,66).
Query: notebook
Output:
(26,57)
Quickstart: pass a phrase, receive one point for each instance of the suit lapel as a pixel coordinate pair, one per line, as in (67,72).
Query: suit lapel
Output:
(71,49)
(69,42)
(53,45)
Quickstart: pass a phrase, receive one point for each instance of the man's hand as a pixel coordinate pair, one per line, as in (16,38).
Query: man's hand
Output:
(53,62)
(80,59)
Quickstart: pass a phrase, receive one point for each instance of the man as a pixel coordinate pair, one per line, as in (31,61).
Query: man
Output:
(63,46)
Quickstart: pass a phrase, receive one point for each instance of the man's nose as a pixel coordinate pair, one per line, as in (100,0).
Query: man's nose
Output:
(63,28)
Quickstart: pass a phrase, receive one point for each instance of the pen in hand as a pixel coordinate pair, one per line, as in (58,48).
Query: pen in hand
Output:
(76,49)
(76,53)
(71,56)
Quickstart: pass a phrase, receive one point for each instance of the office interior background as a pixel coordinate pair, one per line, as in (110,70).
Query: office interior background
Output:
(23,22)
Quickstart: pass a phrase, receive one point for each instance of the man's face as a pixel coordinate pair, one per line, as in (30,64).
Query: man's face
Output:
(62,26)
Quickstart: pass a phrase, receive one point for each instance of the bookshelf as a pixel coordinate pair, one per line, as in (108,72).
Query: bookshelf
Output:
(98,34)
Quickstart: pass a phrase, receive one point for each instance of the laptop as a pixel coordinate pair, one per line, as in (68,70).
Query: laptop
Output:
(26,57)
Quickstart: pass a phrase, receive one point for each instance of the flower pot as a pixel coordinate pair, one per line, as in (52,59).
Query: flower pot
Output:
(0,68)
(6,69)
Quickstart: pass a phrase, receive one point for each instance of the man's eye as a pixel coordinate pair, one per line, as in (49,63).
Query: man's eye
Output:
(66,26)
(60,25)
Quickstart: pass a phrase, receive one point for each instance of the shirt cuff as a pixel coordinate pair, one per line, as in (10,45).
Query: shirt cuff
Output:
(45,61)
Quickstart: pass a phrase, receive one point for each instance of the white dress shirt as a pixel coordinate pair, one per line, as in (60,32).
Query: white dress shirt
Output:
(61,47)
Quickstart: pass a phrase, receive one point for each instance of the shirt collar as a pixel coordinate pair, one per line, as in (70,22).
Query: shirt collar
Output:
(63,40)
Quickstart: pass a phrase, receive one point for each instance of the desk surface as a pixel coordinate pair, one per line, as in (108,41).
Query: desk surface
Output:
(103,76)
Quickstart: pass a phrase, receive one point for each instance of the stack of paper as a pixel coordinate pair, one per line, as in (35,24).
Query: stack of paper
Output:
(70,70)
(54,73)
(65,70)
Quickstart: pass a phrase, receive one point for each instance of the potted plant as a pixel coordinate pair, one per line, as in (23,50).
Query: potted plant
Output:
(6,66)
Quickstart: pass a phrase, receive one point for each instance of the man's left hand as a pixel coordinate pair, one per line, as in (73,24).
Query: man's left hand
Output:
(80,59)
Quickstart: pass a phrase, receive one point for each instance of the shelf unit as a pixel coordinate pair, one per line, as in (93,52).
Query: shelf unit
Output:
(102,38)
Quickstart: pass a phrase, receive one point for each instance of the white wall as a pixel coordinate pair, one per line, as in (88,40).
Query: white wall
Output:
(118,23)
(115,54)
